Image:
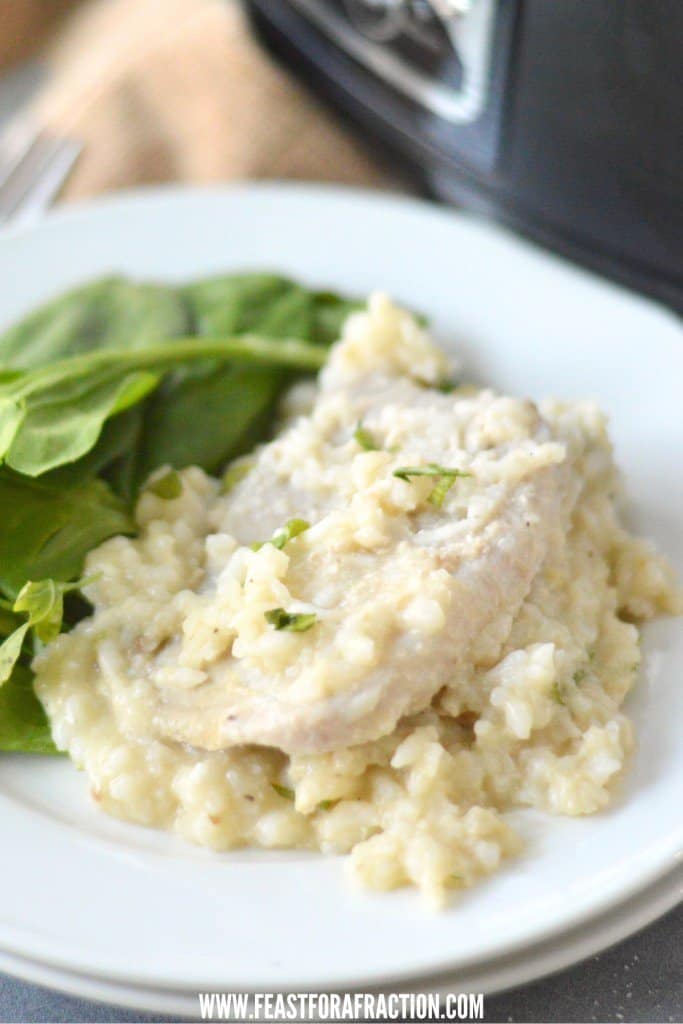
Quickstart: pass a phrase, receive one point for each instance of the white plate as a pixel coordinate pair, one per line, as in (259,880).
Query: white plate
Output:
(93,895)
(490,977)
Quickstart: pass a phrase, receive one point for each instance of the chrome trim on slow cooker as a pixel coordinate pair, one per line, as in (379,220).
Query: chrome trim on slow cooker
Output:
(471,35)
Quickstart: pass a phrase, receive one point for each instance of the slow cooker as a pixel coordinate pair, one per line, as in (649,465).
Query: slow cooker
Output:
(563,118)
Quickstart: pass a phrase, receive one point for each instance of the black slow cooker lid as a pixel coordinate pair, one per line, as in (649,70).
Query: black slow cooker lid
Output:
(579,143)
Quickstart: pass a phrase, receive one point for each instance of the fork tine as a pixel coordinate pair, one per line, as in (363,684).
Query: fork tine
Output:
(28,163)
(37,172)
(38,196)
(16,144)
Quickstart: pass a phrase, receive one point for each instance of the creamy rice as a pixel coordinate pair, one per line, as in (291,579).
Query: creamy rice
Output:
(531,717)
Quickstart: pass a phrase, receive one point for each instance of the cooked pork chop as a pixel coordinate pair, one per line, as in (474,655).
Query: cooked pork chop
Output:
(420,519)
(396,584)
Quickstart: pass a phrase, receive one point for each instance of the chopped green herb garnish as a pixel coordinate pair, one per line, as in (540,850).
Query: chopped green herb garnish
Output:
(168,487)
(446,475)
(431,469)
(557,694)
(283,791)
(291,529)
(365,438)
(234,474)
(446,386)
(579,675)
(326,805)
(293,622)
(438,493)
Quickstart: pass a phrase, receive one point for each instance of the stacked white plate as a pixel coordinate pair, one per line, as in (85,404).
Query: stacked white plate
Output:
(113,912)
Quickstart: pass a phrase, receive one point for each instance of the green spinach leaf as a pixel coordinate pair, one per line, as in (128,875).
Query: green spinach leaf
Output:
(48,531)
(206,421)
(43,603)
(111,312)
(10,651)
(54,431)
(211,415)
(93,392)
(23,723)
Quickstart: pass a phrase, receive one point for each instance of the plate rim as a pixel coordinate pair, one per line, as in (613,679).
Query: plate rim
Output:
(497,950)
(494,977)
(165,191)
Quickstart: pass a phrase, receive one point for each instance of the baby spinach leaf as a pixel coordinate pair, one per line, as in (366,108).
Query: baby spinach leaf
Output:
(23,723)
(267,304)
(117,442)
(209,418)
(47,531)
(43,602)
(213,414)
(8,620)
(234,303)
(94,394)
(54,432)
(206,421)
(207,412)
(10,649)
(329,312)
(108,313)
(238,303)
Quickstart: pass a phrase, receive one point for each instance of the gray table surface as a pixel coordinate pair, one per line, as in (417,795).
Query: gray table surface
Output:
(640,979)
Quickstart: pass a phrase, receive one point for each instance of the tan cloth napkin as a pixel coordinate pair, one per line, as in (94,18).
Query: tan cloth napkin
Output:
(179,90)
(24,26)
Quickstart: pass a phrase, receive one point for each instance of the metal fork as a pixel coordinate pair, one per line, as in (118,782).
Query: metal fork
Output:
(34,164)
